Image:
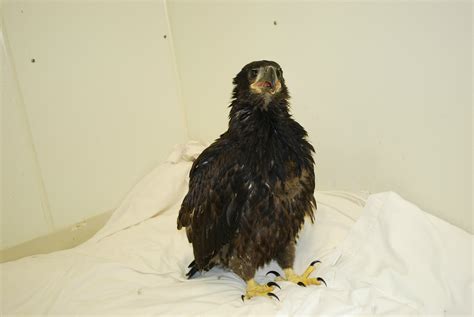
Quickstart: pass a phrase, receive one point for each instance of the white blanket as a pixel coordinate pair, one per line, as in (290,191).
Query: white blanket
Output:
(387,257)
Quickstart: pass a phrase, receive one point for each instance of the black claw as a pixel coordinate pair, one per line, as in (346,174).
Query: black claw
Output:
(314,262)
(273,272)
(191,264)
(242,297)
(301,284)
(273,284)
(321,280)
(273,295)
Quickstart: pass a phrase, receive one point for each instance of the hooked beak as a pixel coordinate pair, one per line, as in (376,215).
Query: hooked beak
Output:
(266,81)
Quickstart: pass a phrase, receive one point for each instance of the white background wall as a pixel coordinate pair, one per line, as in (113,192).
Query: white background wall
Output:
(383,88)
(101,102)
(22,197)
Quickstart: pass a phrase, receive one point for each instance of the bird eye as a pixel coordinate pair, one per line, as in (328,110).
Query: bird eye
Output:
(254,72)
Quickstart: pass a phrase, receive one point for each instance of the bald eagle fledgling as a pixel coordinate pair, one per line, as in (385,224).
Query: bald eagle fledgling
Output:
(250,191)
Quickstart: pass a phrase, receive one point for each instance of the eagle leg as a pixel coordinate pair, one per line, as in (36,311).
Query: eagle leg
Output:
(255,289)
(301,280)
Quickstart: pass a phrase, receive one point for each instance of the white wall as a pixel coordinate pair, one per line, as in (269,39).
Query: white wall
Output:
(22,196)
(101,102)
(384,88)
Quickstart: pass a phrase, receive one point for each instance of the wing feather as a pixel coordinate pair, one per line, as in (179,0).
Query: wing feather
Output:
(210,209)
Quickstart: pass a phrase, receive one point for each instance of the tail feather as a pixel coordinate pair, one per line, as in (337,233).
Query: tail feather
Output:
(193,269)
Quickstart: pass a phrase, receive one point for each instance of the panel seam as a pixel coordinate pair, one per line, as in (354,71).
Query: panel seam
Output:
(176,70)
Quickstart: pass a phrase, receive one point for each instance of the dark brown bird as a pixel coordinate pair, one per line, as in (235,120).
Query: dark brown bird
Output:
(249,191)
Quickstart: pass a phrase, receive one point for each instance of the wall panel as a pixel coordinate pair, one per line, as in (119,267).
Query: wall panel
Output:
(24,211)
(99,86)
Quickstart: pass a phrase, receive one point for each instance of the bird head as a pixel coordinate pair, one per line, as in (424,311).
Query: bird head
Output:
(260,82)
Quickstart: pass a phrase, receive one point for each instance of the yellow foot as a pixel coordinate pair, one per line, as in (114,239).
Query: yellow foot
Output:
(301,280)
(254,289)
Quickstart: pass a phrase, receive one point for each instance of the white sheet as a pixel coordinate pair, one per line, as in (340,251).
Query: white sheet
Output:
(389,257)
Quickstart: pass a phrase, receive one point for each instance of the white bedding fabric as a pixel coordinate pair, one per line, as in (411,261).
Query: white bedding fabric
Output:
(388,257)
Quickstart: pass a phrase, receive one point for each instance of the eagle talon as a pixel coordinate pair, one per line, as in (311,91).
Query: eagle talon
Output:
(304,279)
(273,272)
(255,289)
(314,262)
(322,280)
(243,298)
(273,284)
